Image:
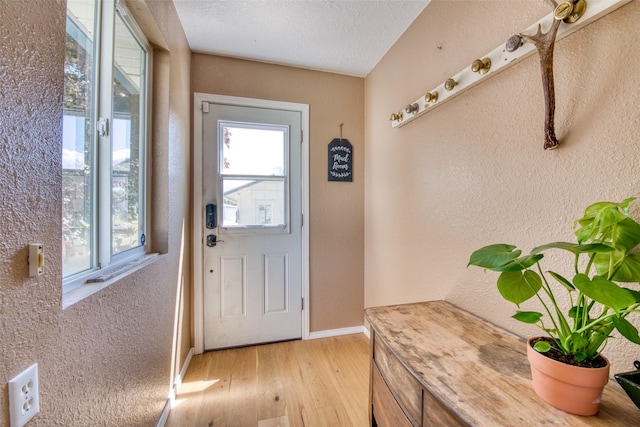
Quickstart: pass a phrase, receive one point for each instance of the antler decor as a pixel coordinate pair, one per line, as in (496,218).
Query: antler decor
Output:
(578,15)
(544,43)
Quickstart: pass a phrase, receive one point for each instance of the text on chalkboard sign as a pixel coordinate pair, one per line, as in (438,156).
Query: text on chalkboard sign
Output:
(340,160)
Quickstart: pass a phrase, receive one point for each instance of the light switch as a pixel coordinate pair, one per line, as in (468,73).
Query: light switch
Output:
(36,259)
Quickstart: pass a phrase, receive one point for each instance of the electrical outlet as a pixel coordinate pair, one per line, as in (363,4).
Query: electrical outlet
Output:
(24,396)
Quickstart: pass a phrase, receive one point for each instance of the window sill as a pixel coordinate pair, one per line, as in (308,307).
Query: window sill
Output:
(81,292)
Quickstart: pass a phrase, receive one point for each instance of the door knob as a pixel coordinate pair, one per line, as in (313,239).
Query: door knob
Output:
(212,240)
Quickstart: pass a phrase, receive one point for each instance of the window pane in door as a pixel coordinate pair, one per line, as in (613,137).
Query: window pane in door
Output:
(253,150)
(257,203)
(78,137)
(127,140)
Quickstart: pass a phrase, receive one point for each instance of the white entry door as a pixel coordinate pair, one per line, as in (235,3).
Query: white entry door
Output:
(252,227)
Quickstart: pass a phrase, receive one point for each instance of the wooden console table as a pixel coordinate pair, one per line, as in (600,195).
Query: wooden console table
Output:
(434,364)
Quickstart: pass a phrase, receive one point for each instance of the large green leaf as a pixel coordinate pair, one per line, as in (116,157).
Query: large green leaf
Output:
(615,229)
(600,219)
(493,257)
(501,257)
(624,205)
(574,248)
(517,286)
(587,231)
(626,234)
(521,263)
(627,266)
(593,209)
(604,291)
(597,218)
(635,294)
(626,329)
(528,316)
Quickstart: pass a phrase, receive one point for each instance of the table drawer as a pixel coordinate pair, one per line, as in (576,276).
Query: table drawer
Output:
(406,389)
(436,414)
(386,410)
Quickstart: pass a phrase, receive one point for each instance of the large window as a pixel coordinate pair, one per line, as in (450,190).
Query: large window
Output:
(106,73)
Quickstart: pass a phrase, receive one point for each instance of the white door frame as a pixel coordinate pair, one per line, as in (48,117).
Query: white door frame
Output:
(198,212)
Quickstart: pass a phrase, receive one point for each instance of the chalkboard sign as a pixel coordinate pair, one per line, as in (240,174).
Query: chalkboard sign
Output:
(340,160)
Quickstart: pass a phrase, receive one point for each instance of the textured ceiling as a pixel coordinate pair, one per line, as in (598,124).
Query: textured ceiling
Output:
(341,36)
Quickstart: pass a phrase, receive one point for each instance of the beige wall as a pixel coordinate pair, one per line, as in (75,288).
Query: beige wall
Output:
(106,360)
(336,217)
(473,171)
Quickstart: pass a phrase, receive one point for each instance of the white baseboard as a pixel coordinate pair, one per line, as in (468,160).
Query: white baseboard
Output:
(174,389)
(337,332)
(164,416)
(178,380)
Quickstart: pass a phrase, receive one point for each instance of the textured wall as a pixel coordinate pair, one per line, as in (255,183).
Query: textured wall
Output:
(473,171)
(171,196)
(336,223)
(107,359)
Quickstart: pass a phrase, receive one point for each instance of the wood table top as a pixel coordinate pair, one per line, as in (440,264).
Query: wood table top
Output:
(479,370)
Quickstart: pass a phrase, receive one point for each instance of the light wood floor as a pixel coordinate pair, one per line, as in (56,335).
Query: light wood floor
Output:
(322,382)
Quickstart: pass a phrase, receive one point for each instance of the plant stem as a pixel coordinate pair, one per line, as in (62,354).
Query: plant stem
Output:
(589,264)
(547,289)
(603,317)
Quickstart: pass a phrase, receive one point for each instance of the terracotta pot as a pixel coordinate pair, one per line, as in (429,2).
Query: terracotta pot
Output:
(571,388)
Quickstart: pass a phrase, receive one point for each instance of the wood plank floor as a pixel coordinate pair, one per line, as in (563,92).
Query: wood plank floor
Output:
(314,383)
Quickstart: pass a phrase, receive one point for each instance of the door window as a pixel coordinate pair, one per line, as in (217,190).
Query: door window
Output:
(254,175)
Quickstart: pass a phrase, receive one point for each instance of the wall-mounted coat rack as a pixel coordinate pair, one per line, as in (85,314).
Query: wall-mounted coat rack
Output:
(499,59)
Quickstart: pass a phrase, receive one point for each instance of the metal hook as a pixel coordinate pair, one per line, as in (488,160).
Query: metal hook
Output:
(341,124)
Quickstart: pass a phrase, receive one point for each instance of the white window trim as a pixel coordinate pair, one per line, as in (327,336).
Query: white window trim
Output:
(78,286)
(79,293)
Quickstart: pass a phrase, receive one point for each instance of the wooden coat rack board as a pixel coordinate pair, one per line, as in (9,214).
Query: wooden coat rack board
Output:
(542,35)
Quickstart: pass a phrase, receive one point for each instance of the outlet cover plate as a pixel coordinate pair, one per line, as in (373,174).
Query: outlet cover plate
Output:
(24,396)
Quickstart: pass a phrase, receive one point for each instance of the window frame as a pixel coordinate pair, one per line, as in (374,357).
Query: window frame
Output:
(103,263)
(254,229)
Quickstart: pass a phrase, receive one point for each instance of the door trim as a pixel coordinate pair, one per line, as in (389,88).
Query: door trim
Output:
(197,215)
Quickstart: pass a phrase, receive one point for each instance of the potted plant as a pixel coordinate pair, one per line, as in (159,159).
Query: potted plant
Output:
(598,306)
